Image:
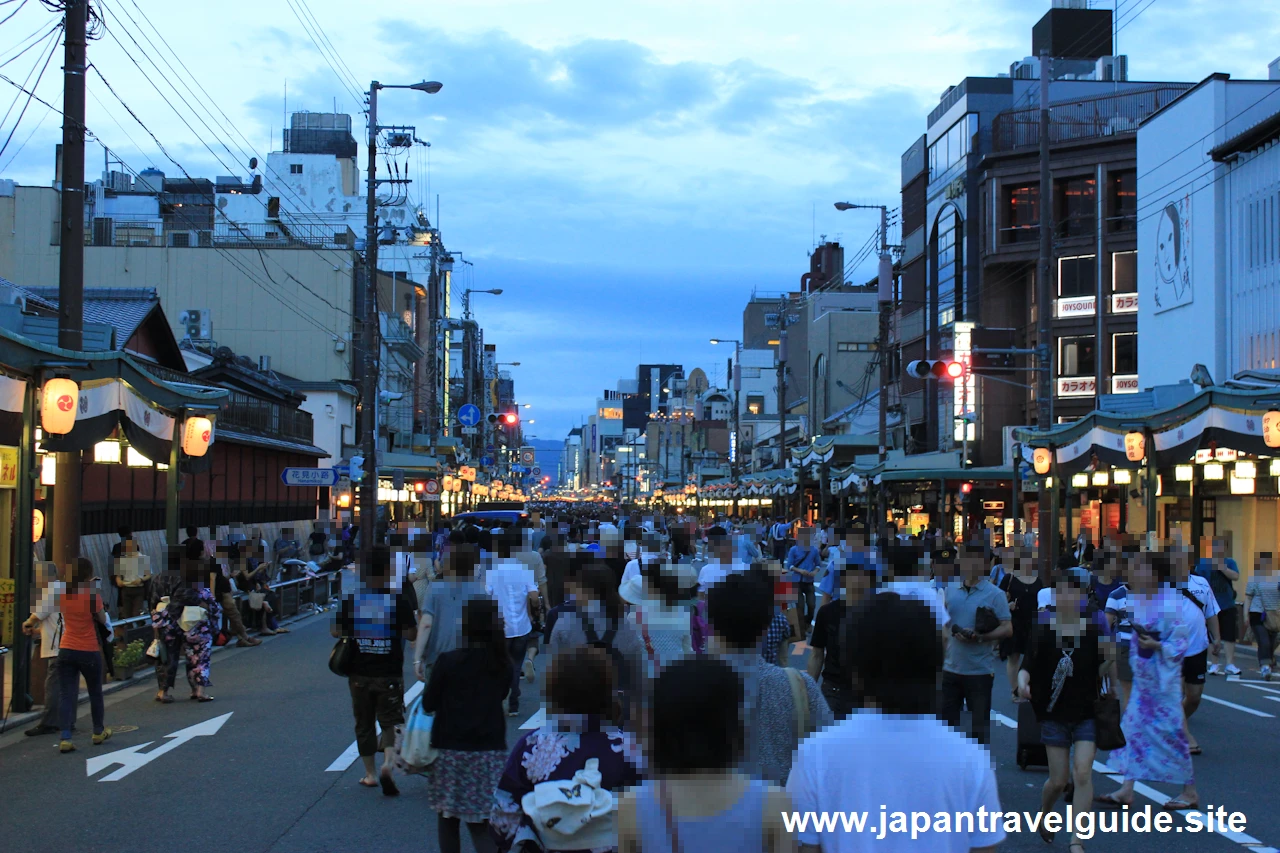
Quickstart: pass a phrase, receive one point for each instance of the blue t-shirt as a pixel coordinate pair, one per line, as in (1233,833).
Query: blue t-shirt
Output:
(1224,589)
(799,558)
(858,560)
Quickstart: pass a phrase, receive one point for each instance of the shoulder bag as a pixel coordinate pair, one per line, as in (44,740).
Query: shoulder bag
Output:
(342,656)
(1106,720)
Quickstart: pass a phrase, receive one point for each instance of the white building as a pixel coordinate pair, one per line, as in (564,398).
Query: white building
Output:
(1209,232)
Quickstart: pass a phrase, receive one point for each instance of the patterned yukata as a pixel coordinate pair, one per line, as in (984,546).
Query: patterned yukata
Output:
(556,752)
(198,642)
(1157,749)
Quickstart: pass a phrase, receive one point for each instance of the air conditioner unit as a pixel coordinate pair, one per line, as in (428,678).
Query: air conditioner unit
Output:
(197,324)
(183,239)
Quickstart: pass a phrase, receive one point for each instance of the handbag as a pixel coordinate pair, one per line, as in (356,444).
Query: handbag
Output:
(414,751)
(255,600)
(158,652)
(1271,620)
(1106,720)
(342,656)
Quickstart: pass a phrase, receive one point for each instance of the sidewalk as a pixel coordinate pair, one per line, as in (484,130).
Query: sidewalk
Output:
(18,721)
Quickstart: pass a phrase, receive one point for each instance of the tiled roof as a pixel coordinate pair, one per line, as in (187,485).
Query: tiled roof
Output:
(123,308)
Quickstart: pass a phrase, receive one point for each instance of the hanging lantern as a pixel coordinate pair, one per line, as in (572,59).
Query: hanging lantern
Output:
(1042,459)
(457,485)
(58,406)
(196,435)
(1271,428)
(37,525)
(1135,446)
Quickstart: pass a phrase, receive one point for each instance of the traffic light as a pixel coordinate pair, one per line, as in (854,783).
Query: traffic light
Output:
(942,368)
(510,419)
(493,418)
(357,469)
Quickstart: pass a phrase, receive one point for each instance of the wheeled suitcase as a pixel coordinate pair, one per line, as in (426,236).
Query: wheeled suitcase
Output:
(1030,750)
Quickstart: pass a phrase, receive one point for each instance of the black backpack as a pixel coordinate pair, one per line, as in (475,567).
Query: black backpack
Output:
(621,669)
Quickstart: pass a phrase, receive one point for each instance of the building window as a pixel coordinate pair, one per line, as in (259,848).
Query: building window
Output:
(1076,205)
(1124,353)
(755,404)
(847,346)
(948,268)
(1077,356)
(1077,277)
(1021,214)
(295,168)
(1124,272)
(953,146)
(1122,187)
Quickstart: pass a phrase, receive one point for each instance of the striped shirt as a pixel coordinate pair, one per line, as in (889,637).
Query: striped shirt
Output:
(1264,592)
(1118,603)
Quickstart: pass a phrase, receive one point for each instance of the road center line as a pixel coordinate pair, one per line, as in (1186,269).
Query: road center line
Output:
(352,752)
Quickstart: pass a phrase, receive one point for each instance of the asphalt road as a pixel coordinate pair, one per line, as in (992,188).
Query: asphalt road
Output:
(261,780)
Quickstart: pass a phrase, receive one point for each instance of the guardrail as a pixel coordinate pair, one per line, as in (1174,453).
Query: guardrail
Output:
(292,597)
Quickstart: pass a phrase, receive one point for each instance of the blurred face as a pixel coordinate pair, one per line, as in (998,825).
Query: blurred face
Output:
(1068,598)
(856,584)
(1143,575)
(972,567)
(1219,549)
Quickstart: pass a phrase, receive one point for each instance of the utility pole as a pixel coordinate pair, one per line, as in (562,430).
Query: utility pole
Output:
(66,495)
(1044,306)
(784,304)
(369,344)
(885,293)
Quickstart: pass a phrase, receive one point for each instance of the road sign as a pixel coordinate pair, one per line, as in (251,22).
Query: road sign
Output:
(537,472)
(486,462)
(469,430)
(488,448)
(343,470)
(132,759)
(469,414)
(313,477)
(528,457)
(431,487)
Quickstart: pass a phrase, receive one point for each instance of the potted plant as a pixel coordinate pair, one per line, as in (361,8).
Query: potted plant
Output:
(128,660)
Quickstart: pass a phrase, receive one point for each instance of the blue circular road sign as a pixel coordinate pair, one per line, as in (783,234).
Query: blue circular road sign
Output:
(469,414)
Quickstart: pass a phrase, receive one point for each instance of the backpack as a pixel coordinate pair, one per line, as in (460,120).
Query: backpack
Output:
(606,641)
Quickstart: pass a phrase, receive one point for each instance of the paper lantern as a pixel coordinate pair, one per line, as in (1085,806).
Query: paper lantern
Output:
(37,525)
(1135,446)
(58,406)
(1042,459)
(457,485)
(1271,428)
(196,435)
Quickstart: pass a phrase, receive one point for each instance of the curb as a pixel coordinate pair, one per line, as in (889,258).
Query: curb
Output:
(16,721)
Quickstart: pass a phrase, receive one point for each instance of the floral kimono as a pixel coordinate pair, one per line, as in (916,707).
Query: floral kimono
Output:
(1157,749)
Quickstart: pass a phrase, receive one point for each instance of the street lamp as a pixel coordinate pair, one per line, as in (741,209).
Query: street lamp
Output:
(882,342)
(369,321)
(737,390)
(508,364)
(466,299)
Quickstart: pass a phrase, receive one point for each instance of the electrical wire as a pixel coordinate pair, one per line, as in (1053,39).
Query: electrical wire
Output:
(319,42)
(36,85)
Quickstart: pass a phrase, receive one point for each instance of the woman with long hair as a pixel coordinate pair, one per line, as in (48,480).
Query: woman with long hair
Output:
(1059,676)
(79,653)
(469,733)
(1021,585)
(1157,747)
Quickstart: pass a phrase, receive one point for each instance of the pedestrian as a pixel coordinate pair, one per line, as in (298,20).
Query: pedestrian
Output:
(662,598)
(1021,586)
(79,654)
(907,567)
(1262,597)
(802,563)
(697,798)
(577,746)
(1222,573)
(186,626)
(468,732)
(740,609)
(440,621)
(778,534)
(784,629)
(720,563)
(1082,550)
(131,574)
(164,588)
(980,618)
(219,570)
(1201,612)
(513,586)
(45,622)
(1120,617)
(894,755)
(377,620)
(1157,748)
(828,658)
(1060,677)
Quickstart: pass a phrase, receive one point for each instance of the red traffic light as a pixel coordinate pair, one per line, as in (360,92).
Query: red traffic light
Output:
(955,369)
(510,418)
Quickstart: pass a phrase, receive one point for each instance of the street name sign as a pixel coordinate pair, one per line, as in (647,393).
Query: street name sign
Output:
(314,477)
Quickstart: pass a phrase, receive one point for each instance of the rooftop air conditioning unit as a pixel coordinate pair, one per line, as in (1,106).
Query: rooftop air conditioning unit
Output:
(183,239)
(197,324)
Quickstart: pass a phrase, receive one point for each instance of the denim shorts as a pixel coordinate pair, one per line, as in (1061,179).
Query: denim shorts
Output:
(1053,733)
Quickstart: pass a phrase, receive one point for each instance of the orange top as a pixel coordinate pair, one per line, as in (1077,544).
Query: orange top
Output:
(78,631)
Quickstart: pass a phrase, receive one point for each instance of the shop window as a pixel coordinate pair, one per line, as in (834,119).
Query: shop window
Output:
(755,404)
(1077,356)
(1076,205)
(1122,187)
(1124,353)
(846,346)
(1077,276)
(1021,214)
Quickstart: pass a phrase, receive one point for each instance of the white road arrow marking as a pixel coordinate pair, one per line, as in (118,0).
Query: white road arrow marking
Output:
(351,753)
(131,759)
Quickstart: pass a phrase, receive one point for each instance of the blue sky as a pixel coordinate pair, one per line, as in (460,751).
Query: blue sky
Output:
(627,172)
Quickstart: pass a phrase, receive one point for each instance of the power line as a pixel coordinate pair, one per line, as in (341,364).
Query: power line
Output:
(332,60)
(52,50)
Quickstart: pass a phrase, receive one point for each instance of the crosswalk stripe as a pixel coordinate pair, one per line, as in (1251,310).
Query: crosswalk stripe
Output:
(351,753)
(1218,701)
(1260,687)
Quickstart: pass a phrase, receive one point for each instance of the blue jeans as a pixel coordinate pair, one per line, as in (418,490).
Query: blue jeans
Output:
(516,648)
(71,665)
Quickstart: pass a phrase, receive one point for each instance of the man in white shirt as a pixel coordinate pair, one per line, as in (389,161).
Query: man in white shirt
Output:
(46,618)
(513,586)
(1200,609)
(894,755)
(721,563)
(908,571)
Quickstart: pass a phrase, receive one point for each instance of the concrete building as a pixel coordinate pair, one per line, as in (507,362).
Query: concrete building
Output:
(1208,231)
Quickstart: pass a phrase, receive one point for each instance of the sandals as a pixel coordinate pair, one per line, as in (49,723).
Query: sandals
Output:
(1109,801)
(389,788)
(365,784)
(1177,804)
(204,699)
(1195,750)
(165,700)
(1046,836)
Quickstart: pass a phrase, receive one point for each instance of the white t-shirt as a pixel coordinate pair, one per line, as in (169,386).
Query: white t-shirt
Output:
(1196,617)
(510,583)
(714,572)
(1044,598)
(49,612)
(632,570)
(869,762)
(923,590)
